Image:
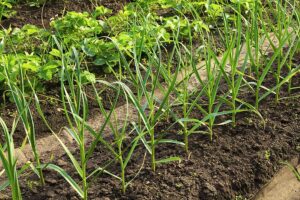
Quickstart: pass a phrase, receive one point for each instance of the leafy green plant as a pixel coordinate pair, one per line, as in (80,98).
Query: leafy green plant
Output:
(29,38)
(74,27)
(101,11)
(102,51)
(6,9)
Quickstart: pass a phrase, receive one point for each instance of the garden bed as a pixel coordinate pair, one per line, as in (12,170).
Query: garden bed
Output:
(236,164)
(235,157)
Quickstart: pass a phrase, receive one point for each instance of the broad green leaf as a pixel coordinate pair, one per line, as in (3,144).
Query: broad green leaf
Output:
(99,61)
(65,175)
(55,52)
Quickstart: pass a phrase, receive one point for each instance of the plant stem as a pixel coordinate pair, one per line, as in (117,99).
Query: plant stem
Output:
(234,109)
(186,140)
(123,175)
(185,131)
(257,97)
(153,162)
(123,180)
(83,165)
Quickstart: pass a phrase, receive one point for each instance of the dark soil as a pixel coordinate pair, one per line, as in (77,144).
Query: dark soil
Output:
(233,164)
(237,163)
(52,110)
(41,16)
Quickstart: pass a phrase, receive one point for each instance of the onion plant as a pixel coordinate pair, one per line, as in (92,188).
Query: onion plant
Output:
(290,65)
(260,78)
(232,41)
(253,39)
(119,132)
(285,36)
(145,80)
(234,69)
(210,84)
(183,97)
(282,81)
(187,59)
(284,21)
(23,107)
(75,104)
(9,160)
(292,169)
(290,21)
(76,110)
(207,76)
(181,57)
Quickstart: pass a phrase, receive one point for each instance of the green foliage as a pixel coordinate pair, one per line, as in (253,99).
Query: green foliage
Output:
(158,46)
(6,9)
(103,52)
(74,27)
(29,39)
(9,161)
(35,3)
(101,11)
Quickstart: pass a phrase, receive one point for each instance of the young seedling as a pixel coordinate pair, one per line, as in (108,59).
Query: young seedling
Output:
(75,104)
(120,131)
(9,160)
(145,80)
(23,108)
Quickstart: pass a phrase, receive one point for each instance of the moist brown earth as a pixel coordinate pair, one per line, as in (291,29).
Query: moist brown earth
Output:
(235,164)
(238,162)
(41,16)
(52,111)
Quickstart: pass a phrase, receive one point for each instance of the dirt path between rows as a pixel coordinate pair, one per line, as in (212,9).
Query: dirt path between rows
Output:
(283,186)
